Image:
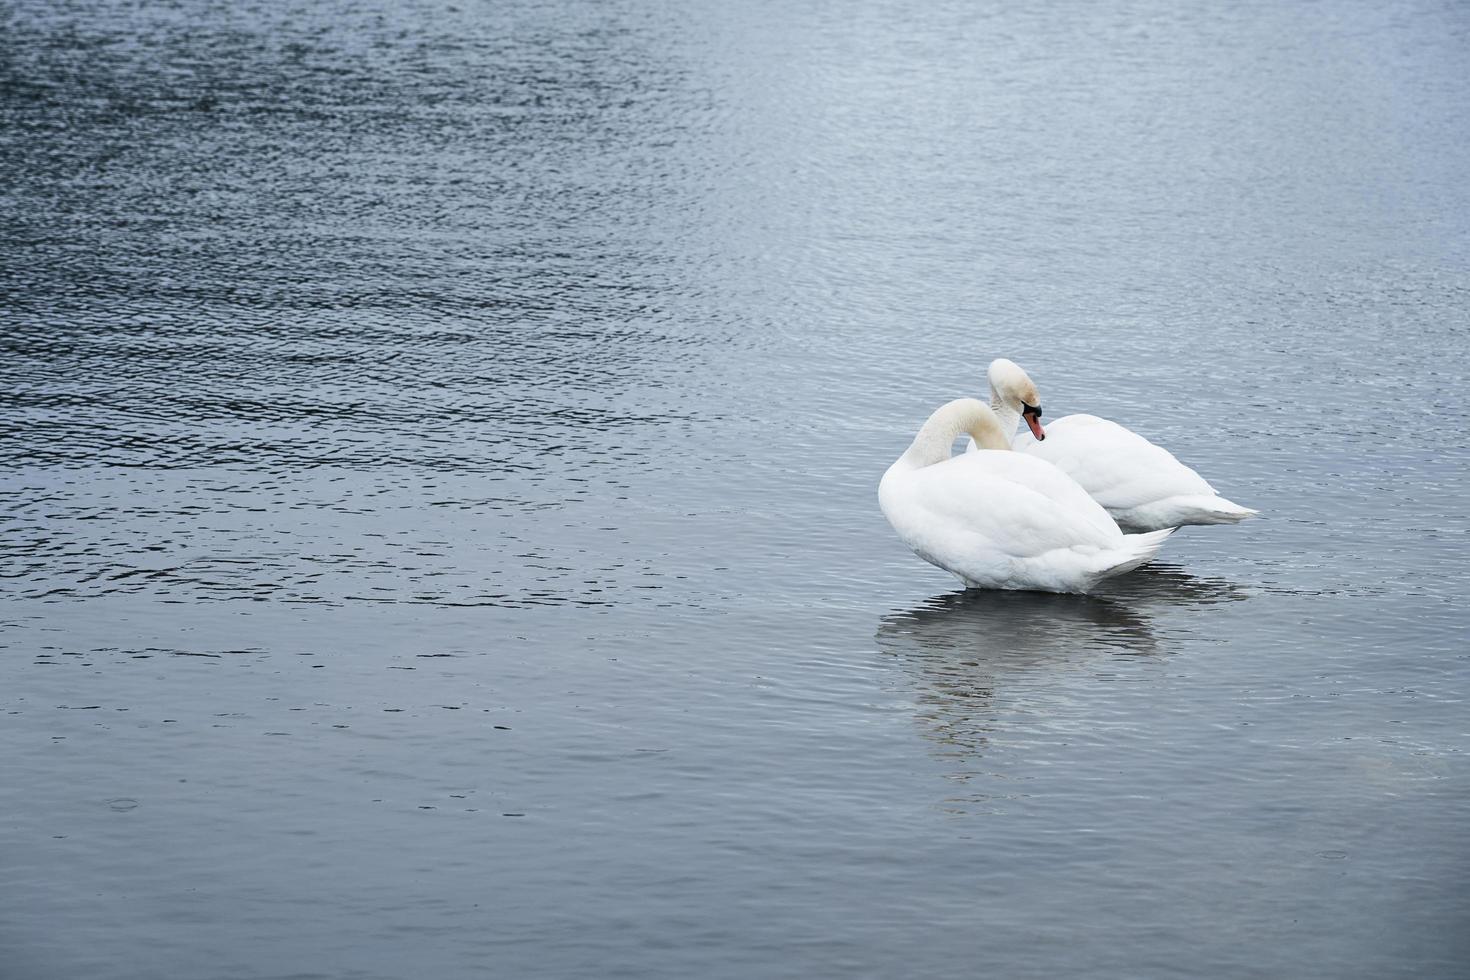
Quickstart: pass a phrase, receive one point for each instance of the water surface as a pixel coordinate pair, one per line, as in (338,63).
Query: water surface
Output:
(440,445)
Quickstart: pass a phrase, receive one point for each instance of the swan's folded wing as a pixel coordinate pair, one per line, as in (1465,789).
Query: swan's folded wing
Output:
(1006,504)
(1118,467)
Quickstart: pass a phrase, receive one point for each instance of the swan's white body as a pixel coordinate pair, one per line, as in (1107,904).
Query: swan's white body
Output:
(999,519)
(1141,485)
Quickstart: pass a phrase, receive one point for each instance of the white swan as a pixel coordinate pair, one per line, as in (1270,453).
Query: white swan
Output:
(1140,484)
(1000,519)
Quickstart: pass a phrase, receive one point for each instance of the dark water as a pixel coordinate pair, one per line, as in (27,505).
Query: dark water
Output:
(440,445)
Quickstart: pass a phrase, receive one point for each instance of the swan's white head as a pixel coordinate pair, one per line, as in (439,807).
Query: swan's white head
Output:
(1015,388)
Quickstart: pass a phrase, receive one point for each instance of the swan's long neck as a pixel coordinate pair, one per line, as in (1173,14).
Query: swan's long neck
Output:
(936,438)
(1007,414)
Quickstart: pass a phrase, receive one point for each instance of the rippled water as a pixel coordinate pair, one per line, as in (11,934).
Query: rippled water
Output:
(440,444)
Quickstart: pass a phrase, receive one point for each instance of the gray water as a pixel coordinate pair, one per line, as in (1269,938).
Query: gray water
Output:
(440,445)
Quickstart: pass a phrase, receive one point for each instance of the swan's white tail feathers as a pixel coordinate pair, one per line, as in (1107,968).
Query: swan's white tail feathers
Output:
(1217,510)
(1139,548)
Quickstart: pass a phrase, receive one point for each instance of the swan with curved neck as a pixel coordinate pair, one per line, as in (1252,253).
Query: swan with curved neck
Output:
(999,519)
(1141,485)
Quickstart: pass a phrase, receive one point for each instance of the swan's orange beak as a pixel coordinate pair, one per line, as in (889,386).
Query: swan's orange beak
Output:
(1032,415)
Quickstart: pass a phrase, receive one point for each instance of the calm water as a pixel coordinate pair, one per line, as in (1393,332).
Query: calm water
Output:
(440,445)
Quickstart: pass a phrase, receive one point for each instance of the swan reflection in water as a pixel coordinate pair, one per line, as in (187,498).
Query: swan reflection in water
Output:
(962,647)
